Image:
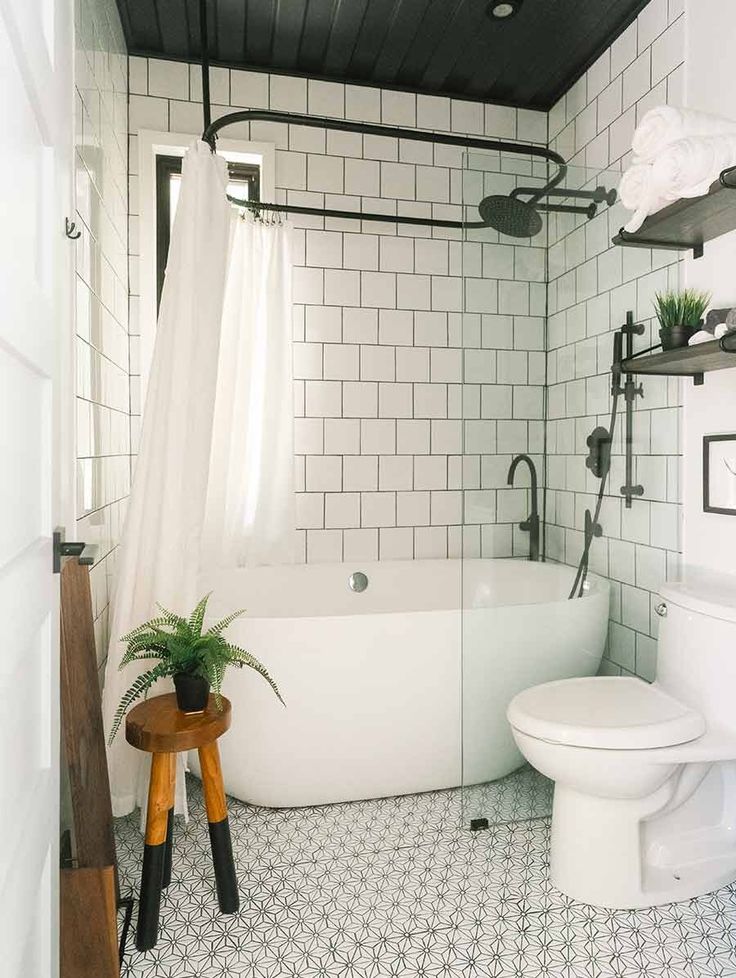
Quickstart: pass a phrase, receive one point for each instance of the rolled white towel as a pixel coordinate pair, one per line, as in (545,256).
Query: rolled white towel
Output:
(640,191)
(666,124)
(688,167)
(634,185)
(702,336)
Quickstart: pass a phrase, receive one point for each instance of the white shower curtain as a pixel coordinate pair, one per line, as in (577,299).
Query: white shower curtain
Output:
(213,435)
(250,503)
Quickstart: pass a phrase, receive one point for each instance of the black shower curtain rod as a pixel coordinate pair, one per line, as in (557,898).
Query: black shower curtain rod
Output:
(212,128)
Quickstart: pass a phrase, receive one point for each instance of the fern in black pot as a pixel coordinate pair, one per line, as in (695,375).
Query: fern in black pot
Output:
(195,659)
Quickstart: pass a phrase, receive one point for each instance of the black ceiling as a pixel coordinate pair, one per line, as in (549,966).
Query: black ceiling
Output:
(448,47)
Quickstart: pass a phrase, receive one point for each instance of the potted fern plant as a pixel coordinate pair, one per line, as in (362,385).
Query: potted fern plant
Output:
(195,659)
(679,315)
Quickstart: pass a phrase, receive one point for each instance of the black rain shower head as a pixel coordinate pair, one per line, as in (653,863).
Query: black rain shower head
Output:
(511,216)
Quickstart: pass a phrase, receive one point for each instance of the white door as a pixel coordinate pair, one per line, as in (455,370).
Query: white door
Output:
(36,98)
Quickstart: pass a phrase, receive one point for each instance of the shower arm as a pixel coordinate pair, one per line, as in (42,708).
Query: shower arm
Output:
(212,127)
(598,196)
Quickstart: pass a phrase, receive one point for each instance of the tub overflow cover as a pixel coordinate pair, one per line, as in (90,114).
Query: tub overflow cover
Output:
(358,581)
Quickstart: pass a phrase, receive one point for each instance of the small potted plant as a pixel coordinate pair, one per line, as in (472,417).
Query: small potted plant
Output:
(679,315)
(196,660)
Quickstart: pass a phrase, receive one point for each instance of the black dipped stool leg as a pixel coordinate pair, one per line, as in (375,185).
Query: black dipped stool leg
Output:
(160,804)
(222,850)
(222,860)
(150,899)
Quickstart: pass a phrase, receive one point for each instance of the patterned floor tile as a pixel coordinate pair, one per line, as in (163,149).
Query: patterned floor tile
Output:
(399,887)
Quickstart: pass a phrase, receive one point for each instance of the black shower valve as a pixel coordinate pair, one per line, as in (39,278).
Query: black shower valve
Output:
(599,454)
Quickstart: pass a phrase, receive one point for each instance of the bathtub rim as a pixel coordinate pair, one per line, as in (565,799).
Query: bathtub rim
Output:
(596,586)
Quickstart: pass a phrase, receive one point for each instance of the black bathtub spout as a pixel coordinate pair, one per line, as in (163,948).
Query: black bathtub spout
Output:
(531,523)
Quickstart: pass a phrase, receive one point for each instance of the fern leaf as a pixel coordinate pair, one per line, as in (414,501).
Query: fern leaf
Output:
(197,617)
(217,671)
(141,685)
(220,626)
(146,641)
(175,621)
(242,658)
(153,625)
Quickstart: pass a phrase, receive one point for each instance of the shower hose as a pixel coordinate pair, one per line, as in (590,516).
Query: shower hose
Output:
(591,524)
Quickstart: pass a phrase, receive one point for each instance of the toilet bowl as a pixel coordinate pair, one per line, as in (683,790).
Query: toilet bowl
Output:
(644,806)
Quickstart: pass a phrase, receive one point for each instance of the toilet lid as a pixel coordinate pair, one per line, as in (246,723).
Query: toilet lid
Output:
(610,712)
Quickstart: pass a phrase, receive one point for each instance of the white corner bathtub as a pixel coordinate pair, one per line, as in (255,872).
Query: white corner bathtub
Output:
(401,688)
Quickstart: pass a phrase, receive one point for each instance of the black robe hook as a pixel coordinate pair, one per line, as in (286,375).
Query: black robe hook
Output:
(70,229)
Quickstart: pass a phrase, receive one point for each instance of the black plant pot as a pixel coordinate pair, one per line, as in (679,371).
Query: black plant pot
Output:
(192,692)
(674,337)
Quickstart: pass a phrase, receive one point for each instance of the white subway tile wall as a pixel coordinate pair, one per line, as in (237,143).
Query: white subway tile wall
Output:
(591,287)
(378,314)
(421,360)
(503,368)
(104,349)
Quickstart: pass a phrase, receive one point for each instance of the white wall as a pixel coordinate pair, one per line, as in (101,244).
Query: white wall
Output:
(710,85)
(591,287)
(101,281)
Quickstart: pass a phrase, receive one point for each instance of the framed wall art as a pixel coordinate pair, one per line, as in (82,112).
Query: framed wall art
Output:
(719,474)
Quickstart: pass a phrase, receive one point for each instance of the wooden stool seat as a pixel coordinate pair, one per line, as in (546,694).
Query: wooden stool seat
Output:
(158,727)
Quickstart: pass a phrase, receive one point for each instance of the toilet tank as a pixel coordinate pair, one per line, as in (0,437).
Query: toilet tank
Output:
(696,655)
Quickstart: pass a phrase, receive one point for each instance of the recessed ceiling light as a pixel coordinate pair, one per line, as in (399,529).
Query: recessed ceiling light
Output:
(503,9)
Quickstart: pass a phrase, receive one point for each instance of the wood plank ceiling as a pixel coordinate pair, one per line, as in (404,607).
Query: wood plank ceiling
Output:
(445,47)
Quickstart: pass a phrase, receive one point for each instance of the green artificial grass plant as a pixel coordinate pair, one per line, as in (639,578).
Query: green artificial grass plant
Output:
(684,308)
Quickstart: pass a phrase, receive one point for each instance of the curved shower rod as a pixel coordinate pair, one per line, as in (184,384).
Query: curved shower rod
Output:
(318,122)
(507,214)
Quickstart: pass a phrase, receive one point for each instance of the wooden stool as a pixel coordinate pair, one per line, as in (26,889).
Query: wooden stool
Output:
(160,728)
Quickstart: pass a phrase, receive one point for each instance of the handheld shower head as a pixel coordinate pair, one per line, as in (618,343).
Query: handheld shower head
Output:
(511,216)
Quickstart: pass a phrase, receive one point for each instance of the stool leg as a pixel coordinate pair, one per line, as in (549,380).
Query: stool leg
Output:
(166,867)
(222,850)
(170,828)
(160,800)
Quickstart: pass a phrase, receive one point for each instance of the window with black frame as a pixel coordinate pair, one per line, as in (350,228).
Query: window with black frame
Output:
(244,183)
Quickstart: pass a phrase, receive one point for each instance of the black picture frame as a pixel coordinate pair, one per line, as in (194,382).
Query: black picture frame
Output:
(708,505)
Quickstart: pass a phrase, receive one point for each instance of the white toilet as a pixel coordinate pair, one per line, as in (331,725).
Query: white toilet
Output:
(645,775)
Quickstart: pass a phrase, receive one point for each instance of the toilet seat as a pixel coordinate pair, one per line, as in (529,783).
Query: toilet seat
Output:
(611,713)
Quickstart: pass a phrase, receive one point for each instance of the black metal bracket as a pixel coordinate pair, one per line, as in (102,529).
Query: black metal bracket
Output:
(600,195)
(634,241)
(478,824)
(86,553)
(630,391)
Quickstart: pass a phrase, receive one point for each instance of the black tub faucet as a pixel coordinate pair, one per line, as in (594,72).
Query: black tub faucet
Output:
(531,523)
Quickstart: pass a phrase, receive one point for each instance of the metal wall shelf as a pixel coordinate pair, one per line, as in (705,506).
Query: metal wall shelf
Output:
(690,222)
(688,361)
